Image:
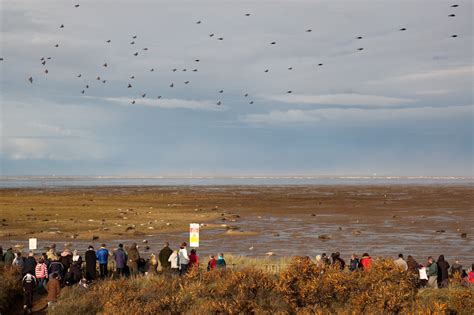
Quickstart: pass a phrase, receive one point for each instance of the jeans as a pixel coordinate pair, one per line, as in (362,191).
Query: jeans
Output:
(183,270)
(103,270)
(42,284)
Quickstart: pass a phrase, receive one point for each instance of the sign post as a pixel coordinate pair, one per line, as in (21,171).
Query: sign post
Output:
(194,235)
(33,243)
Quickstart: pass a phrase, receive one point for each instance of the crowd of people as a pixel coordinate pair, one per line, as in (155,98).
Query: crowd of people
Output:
(49,271)
(46,273)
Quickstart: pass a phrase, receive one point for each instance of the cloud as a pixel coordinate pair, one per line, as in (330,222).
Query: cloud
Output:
(168,103)
(442,74)
(357,115)
(341,99)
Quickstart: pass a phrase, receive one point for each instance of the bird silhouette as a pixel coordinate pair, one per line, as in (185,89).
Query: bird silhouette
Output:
(455,6)
(151,70)
(143,95)
(134,36)
(62,26)
(184,70)
(272,43)
(309,30)
(403,29)
(108,41)
(221,91)
(77,6)
(251,102)
(320,64)
(454,36)
(57,45)
(174,70)
(103,81)
(158,97)
(129,85)
(289,92)
(197,60)
(44,62)
(452,15)
(132,43)
(30,79)
(198,22)
(49,58)
(221,38)
(87,86)
(79,75)
(133,102)
(211,35)
(171,85)
(246,95)
(146,48)
(290,68)
(359,37)
(266,70)
(135,54)
(46,71)
(218,103)
(186,82)
(83,91)
(360,48)
(247,14)
(132,77)
(98,78)
(105,65)
(195,70)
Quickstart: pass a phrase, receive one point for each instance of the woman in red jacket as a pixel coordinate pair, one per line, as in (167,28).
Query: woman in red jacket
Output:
(193,259)
(365,262)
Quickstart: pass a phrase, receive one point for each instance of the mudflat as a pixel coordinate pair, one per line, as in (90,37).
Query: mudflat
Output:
(251,220)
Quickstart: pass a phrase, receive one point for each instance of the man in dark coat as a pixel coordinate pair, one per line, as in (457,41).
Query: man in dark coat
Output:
(164,255)
(120,260)
(8,257)
(28,283)
(29,264)
(133,259)
(443,267)
(91,263)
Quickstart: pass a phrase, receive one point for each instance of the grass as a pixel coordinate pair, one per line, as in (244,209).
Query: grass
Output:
(301,288)
(10,288)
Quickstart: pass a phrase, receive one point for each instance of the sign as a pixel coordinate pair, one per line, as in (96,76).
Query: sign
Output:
(33,243)
(194,235)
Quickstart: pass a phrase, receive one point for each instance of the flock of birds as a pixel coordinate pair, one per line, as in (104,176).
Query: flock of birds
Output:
(133,42)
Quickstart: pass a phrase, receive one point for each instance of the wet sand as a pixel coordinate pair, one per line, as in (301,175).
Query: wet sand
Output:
(251,220)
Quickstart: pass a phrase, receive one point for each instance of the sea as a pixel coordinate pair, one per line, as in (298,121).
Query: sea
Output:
(82,181)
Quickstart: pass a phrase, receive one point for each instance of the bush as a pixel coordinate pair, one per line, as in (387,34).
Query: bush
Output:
(10,288)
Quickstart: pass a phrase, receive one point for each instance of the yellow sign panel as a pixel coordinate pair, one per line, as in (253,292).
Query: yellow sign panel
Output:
(194,235)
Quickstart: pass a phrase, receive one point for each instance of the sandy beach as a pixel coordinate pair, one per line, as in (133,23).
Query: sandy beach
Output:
(250,220)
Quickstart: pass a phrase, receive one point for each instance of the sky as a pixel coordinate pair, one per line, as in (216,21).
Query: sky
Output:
(401,106)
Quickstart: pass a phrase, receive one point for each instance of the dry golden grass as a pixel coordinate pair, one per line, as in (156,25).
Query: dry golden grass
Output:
(302,288)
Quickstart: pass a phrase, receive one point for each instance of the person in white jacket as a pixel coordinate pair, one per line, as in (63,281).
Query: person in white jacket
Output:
(173,259)
(183,259)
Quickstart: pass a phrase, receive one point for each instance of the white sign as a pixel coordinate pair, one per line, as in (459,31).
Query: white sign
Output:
(33,243)
(194,235)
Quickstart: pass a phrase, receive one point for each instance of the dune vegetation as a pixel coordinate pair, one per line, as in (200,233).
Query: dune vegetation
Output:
(300,288)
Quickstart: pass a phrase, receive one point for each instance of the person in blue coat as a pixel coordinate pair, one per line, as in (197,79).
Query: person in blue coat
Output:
(103,258)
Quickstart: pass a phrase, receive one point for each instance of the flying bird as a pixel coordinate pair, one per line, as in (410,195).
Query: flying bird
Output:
(98,78)
(452,15)
(30,79)
(221,91)
(79,75)
(320,64)
(46,71)
(197,60)
(289,92)
(135,54)
(184,70)
(105,65)
(49,58)
(272,43)
(57,45)
(129,85)
(309,30)
(83,91)
(43,62)
(143,95)
(221,38)
(218,103)
(151,70)
(77,6)
(195,70)
(62,26)
(103,81)
(108,41)
(290,68)
(133,102)
(247,14)
(359,37)
(171,85)
(158,97)
(186,82)
(174,70)
(146,48)
(266,70)
(87,86)
(132,43)
(454,36)
(360,48)
(132,77)
(134,36)
(251,102)
(403,29)
(455,6)
(246,94)
(211,35)
(198,22)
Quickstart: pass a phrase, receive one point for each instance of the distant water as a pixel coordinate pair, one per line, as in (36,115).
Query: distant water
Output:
(56,181)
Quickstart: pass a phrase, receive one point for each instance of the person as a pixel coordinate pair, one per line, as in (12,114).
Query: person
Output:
(401,263)
(337,260)
(76,258)
(151,265)
(443,268)
(54,289)
(325,259)
(220,263)
(174,264)
(456,268)
(432,273)
(91,263)
(51,253)
(18,261)
(103,258)
(365,262)
(133,259)
(464,278)
(164,256)
(319,262)
(193,259)
(183,259)
(55,266)
(471,275)
(29,264)
(211,264)
(412,264)
(66,259)
(28,283)
(354,263)
(41,274)
(120,260)
(8,257)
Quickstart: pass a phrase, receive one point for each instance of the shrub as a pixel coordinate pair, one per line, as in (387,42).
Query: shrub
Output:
(10,288)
